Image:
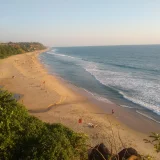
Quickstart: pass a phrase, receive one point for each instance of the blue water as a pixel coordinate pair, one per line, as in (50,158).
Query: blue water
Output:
(126,75)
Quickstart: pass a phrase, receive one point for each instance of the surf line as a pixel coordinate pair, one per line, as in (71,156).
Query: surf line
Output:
(147,116)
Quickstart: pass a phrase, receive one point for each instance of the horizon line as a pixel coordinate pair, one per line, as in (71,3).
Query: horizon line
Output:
(109,45)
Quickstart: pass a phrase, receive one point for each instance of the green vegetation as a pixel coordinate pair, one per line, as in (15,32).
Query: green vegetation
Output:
(155,141)
(8,49)
(25,137)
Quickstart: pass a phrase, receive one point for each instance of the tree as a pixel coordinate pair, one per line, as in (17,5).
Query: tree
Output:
(25,137)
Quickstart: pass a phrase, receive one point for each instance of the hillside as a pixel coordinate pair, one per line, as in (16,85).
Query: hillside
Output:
(25,137)
(8,49)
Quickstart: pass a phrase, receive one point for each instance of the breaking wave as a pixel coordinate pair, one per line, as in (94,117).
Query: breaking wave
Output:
(133,87)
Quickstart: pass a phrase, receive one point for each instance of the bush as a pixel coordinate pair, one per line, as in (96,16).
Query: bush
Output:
(25,137)
(8,49)
(155,141)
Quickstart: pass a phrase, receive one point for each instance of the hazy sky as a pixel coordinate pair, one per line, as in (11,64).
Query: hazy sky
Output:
(80,22)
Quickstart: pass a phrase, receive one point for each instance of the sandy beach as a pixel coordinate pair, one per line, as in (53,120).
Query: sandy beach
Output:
(55,101)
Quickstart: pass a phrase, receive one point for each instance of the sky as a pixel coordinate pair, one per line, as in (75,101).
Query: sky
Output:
(80,22)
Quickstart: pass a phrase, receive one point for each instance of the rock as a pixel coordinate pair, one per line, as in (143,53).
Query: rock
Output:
(99,152)
(127,153)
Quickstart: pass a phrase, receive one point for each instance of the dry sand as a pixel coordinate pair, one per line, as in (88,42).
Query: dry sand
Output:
(53,100)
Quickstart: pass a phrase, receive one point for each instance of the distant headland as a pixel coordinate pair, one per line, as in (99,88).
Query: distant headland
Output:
(13,48)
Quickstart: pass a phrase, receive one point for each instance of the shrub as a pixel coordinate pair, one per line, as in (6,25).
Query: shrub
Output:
(25,137)
(8,49)
(154,140)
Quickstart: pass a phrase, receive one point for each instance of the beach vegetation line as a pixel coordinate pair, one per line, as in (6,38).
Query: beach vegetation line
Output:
(8,49)
(23,136)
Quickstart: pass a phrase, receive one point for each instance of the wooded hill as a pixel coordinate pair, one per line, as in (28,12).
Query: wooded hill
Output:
(8,49)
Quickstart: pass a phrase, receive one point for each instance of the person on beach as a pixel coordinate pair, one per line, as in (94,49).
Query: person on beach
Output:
(112,111)
(43,84)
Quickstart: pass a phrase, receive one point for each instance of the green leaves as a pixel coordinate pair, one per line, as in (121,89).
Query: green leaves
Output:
(25,137)
(155,141)
(8,49)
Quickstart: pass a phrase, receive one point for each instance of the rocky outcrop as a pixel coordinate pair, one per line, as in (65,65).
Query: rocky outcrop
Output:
(127,153)
(101,152)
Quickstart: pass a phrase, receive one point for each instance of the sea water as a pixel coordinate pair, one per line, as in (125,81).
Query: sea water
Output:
(126,75)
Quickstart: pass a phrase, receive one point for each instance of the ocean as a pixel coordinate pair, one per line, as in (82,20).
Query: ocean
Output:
(126,75)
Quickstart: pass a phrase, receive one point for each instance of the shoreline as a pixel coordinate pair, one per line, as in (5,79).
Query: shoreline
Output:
(56,101)
(134,120)
(129,117)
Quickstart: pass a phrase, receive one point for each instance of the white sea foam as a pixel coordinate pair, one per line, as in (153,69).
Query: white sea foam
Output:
(88,92)
(132,87)
(153,108)
(126,106)
(147,116)
(61,55)
(143,92)
(99,98)
(103,99)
